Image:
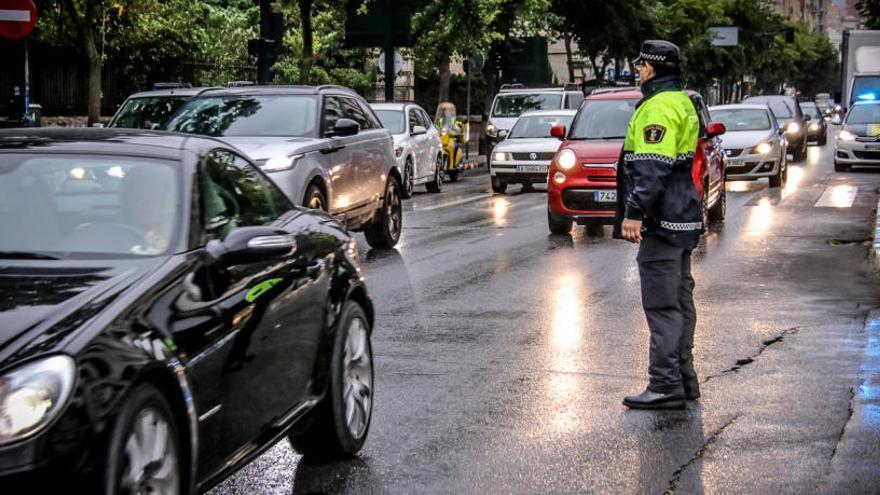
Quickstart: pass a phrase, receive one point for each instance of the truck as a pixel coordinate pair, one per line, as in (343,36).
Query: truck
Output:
(860,66)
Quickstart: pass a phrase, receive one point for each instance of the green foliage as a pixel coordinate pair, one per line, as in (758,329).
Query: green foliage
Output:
(870,10)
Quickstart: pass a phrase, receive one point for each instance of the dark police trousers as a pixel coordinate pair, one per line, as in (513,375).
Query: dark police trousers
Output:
(668,301)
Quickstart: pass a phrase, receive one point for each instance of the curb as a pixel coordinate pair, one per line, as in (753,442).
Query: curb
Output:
(875,252)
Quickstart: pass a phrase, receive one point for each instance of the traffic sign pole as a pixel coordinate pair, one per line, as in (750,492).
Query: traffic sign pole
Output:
(17,20)
(389,57)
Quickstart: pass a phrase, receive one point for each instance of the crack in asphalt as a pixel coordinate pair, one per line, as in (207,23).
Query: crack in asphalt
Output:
(676,476)
(849,415)
(740,363)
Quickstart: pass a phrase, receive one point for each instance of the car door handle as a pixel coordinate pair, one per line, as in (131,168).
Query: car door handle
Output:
(332,149)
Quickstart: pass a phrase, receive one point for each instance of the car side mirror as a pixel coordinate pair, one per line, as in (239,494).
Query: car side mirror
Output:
(715,129)
(558,131)
(807,118)
(245,245)
(344,127)
(502,134)
(418,129)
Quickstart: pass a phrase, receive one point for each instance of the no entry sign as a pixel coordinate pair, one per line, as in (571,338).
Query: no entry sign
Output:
(17,18)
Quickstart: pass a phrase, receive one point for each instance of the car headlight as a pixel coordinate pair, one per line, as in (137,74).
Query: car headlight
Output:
(814,127)
(501,157)
(762,149)
(491,130)
(279,163)
(32,394)
(846,136)
(398,150)
(566,159)
(792,128)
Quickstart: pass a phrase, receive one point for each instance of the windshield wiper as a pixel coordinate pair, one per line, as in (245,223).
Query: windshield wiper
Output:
(26,255)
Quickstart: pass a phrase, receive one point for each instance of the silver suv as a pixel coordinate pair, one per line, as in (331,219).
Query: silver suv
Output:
(323,146)
(514,99)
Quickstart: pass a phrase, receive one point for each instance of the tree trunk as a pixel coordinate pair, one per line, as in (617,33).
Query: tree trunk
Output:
(568,57)
(94,65)
(305,13)
(445,77)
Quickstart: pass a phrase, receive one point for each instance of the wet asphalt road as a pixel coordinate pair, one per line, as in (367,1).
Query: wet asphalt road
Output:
(502,353)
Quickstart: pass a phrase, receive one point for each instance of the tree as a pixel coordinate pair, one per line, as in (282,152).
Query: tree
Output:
(308,49)
(87,18)
(870,10)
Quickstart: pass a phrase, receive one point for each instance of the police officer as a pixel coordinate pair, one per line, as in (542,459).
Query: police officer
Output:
(658,208)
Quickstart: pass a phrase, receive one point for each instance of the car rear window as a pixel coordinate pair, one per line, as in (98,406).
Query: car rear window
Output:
(603,119)
(515,105)
(264,115)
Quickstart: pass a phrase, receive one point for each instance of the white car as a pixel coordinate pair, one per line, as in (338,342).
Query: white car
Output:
(754,144)
(858,142)
(524,156)
(416,145)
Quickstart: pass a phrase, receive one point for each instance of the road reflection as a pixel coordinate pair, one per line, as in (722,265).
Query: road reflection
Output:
(760,218)
(566,336)
(499,211)
(336,478)
(795,176)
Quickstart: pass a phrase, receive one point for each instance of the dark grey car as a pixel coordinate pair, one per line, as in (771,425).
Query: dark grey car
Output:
(152,109)
(791,119)
(323,146)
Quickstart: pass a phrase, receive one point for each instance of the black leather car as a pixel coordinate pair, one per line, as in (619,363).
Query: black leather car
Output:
(166,315)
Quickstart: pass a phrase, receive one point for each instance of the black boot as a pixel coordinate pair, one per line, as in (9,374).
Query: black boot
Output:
(655,400)
(691,388)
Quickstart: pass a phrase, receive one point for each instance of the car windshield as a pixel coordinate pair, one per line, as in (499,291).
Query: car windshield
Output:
(864,114)
(783,108)
(812,110)
(866,88)
(742,119)
(537,126)
(603,119)
(393,120)
(516,105)
(85,206)
(269,115)
(147,113)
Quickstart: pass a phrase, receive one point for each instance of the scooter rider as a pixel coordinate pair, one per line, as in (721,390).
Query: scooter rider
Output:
(659,209)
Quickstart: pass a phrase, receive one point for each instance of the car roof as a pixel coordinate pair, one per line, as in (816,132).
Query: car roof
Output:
(273,89)
(515,91)
(625,93)
(743,106)
(533,113)
(768,97)
(171,92)
(140,142)
(393,106)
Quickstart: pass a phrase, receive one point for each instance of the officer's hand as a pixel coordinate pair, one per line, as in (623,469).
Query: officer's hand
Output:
(632,230)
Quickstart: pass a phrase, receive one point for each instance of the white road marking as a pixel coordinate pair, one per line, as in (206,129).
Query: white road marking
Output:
(15,15)
(840,196)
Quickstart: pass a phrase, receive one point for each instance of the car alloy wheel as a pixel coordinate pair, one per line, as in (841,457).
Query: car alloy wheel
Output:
(151,464)
(436,183)
(394,211)
(315,198)
(143,455)
(358,379)
(408,179)
(384,230)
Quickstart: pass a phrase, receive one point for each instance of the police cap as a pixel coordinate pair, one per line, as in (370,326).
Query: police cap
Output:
(659,52)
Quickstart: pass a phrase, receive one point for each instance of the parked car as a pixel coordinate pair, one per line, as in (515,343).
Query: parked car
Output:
(167,316)
(583,175)
(754,144)
(322,145)
(524,156)
(514,99)
(416,145)
(858,142)
(152,109)
(791,118)
(817,129)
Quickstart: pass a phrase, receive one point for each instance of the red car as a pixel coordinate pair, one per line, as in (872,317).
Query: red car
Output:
(586,193)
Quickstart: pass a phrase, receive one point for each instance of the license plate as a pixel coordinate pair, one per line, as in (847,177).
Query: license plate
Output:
(872,147)
(734,162)
(533,168)
(605,196)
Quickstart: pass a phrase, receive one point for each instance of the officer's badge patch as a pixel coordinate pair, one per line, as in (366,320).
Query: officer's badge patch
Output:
(654,133)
